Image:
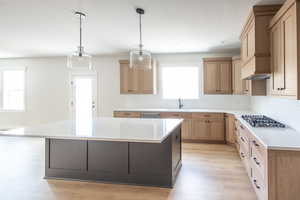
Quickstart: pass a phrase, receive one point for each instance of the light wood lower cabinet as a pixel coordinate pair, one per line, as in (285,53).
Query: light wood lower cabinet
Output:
(208,130)
(122,114)
(196,127)
(230,128)
(274,174)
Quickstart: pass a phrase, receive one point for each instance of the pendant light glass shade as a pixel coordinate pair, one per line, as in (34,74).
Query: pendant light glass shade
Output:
(140,58)
(80,59)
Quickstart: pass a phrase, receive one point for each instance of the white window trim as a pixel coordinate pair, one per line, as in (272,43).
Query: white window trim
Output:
(179,65)
(24,68)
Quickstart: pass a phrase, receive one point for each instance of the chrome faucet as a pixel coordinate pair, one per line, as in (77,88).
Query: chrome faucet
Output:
(180,104)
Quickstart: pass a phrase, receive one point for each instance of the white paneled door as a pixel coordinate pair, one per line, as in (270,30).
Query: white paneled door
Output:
(83,101)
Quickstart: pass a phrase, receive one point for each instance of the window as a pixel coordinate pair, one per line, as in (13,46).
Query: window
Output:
(12,85)
(180,82)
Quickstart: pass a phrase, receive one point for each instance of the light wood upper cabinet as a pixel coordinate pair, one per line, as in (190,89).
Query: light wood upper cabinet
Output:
(255,88)
(284,55)
(217,75)
(238,84)
(255,48)
(137,80)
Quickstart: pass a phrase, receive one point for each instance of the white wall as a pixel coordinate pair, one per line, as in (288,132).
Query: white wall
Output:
(48,89)
(204,101)
(284,110)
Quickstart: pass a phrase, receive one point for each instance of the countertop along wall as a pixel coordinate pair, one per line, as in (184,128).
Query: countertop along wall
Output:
(48,89)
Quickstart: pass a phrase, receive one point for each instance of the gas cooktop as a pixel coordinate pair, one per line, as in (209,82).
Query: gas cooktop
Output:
(262,121)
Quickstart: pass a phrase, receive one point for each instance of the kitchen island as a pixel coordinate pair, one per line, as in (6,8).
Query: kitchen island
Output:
(132,151)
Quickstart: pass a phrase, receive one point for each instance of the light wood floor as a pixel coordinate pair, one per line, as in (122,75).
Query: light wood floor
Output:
(209,172)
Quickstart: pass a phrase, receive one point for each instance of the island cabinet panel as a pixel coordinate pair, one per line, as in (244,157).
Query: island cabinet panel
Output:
(155,164)
(144,160)
(108,157)
(71,155)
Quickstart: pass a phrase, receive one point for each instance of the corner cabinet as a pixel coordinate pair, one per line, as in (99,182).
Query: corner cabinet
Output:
(217,75)
(255,43)
(284,51)
(137,80)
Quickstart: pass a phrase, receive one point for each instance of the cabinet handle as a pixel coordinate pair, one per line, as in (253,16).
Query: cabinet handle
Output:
(242,139)
(255,143)
(243,155)
(255,183)
(255,160)
(241,127)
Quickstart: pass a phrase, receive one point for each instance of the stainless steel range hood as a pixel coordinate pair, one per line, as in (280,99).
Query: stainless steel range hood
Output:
(258,77)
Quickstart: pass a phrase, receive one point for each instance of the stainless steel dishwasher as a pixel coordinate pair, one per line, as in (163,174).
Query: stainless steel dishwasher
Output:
(150,115)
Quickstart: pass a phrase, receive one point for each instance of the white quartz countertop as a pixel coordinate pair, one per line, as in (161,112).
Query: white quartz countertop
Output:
(105,129)
(185,110)
(272,138)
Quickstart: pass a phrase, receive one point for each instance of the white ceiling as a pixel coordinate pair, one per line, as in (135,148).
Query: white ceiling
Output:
(48,27)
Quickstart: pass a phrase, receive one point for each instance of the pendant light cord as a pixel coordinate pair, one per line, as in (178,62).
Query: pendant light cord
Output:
(141,45)
(80,35)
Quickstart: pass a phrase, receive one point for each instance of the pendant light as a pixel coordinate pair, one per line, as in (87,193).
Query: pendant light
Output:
(80,59)
(140,58)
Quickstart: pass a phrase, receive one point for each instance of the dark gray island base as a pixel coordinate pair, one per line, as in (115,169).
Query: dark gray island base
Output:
(152,164)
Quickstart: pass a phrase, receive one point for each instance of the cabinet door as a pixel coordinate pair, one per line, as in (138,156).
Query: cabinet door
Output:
(230,128)
(238,84)
(128,79)
(247,87)
(145,81)
(289,37)
(276,60)
(244,49)
(216,129)
(200,129)
(211,78)
(186,129)
(225,77)
(251,42)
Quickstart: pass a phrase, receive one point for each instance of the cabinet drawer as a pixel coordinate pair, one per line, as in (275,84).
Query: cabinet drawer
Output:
(258,184)
(176,115)
(127,114)
(257,162)
(257,146)
(207,115)
(244,155)
(243,142)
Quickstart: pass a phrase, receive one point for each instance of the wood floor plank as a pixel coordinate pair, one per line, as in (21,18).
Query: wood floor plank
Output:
(209,172)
